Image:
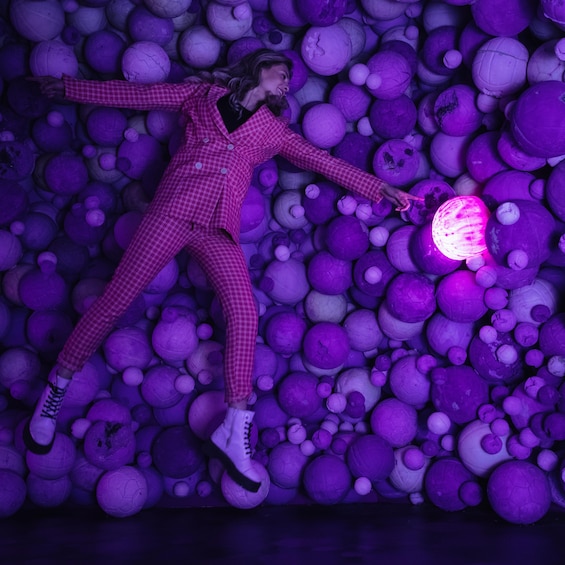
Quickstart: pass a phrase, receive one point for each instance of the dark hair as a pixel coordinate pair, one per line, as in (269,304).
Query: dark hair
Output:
(243,75)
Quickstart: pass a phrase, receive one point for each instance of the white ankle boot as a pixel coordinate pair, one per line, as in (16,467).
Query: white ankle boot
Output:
(231,445)
(39,433)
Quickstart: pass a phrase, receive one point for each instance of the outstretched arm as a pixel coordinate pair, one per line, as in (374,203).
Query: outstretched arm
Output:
(303,154)
(119,93)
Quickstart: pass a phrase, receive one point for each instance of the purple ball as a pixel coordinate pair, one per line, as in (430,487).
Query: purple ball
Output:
(395,421)
(145,26)
(286,465)
(15,201)
(483,357)
(426,255)
(531,233)
(443,482)
(483,159)
(370,456)
(507,185)
(458,391)
(17,162)
(396,162)
(322,12)
(106,126)
(373,261)
(66,174)
(122,492)
(326,345)
(434,193)
(503,17)
(103,51)
(352,100)
(328,274)
(443,333)
(552,335)
(456,112)
(357,150)
(298,396)
(408,383)
(48,493)
(109,445)
(52,139)
(394,74)
(176,452)
(438,41)
(410,297)
(460,298)
(322,205)
(393,118)
(284,333)
(514,156)
(48,330)
(347,238)
(327,479)
(519,492)
(55,464)
(538,117)
(12,493)
(554,190)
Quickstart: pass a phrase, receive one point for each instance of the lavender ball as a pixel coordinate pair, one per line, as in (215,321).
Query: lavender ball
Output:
(297,394)
(411,297)
(443,482)
(347,238)
(327,479)
(370,456)
(460,298)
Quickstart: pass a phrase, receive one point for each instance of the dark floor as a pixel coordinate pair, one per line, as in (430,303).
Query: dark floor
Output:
(389,534)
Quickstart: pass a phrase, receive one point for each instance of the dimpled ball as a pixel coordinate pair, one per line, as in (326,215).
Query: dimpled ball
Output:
(145,62)
(298,396)
(326,50)
(347,237)
(327,479)
(370,456)
(103,51)
(460,298)
(396,162)
(122,492)
(552,335)
(392,74)
(443,483)
(199,47)
(238,497)
(499,66)
(328,274)
(158,386)
(395,421)
(37,21)
(538,117)
(286,465)
(433,193)
(323,125)
(12,493)
(322,12)
(443,333)
(287,281)
(174,337)
(374,261)
(410,297)
(458,391)
(326,345)
(519,492)
(284,332)
(531,233)
(176,452)
(408,383)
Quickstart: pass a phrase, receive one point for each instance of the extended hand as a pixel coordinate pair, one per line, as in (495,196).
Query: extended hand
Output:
(398,197)
(50,86)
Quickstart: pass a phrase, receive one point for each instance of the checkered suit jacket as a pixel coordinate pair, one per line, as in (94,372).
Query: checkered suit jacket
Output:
(208,177)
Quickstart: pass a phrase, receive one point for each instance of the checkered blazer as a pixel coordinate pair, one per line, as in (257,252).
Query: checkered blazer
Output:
(208,176)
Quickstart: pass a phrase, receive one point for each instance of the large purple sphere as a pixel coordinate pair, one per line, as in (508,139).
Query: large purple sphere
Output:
(327,479)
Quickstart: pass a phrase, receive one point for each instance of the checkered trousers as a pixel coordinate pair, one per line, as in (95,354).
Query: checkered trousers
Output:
(157,240)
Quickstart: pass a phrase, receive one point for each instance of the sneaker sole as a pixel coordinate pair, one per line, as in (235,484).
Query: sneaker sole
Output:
(212,450)
(32,445)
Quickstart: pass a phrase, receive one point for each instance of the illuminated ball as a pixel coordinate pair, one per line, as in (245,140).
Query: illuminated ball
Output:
(145,62)
(519,492)
(327,479)
(499,67)
(238,497)
(458,227)
(122,492)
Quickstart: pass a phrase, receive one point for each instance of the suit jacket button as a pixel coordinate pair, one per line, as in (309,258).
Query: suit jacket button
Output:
(198,165)
(223,170)
(230,146)
(205,140)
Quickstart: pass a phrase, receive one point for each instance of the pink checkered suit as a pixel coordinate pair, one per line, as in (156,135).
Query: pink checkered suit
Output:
(197,206)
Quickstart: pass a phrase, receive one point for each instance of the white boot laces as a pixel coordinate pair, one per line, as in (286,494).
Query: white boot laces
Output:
(53,402)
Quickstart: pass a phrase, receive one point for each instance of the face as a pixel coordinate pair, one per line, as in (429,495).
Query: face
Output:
(274,80)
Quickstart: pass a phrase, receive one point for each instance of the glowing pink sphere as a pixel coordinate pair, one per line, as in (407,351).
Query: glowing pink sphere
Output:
(458,227)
